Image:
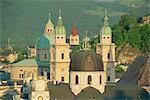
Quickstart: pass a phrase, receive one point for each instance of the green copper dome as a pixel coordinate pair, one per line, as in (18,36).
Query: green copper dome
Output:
(106,30)
(60,29)
(42,43)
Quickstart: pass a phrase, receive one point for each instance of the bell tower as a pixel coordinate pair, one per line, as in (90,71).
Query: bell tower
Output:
(107,49)
(74,37)
(62,54)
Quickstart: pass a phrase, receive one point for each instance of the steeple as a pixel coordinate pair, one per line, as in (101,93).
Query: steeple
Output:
(49,27)
(49,23)
(74,30)
(86,41)
(60,18)
(106,19)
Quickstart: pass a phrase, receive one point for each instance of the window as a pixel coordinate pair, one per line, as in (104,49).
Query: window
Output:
(89,79)
(108,78)
(76,79)
(45,56)
(62,79)
(62,56)
(38,55)
(22,76)
(100,79)
(19,75)
(108,56)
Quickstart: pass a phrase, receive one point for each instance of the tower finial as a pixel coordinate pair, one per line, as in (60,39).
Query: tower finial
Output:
(60,14)
(106,12)
(105,18)
(49,14)
(86,33)
(60,18)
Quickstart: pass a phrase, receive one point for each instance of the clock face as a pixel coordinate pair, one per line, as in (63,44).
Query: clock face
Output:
(40,98)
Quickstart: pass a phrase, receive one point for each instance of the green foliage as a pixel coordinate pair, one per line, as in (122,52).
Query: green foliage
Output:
(129,31)
(119,69)
(75,50)
(145,38)
(21,55)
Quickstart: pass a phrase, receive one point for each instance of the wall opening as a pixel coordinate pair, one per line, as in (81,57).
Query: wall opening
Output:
(89,79)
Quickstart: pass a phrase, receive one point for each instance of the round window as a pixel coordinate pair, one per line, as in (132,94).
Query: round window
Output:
(40,98)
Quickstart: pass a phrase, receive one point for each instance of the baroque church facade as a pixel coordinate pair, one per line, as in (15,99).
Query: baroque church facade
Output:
(86,68)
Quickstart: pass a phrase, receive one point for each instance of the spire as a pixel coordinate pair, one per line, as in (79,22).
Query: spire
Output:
(106,18)
(60,18)
(74,30)
(49,20)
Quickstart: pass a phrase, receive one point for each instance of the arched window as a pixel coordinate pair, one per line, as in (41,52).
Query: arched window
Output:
(108,78)
(62,56)
(62,79)
(100,79)
(89,79)
(76,79)
(45,56)
(108,55)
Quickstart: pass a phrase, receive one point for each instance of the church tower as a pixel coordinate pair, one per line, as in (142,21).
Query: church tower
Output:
(62,54)
(49,30)
(74,37)
(107,49)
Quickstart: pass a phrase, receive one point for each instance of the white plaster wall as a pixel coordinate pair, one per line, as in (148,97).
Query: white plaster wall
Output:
(74,40)
(60,38)
(44,94)
(83,81)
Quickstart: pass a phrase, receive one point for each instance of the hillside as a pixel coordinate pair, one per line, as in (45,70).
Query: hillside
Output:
(23,21)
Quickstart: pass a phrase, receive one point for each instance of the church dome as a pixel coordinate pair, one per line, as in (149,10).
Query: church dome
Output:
(106,30)
(42,42)
(86,60)
(60,29)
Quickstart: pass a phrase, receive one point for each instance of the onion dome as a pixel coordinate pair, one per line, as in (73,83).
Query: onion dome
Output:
(49,23)
(42,43)
(105,30)
(60,29)
(86,60)
(49,27)
(74,31)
